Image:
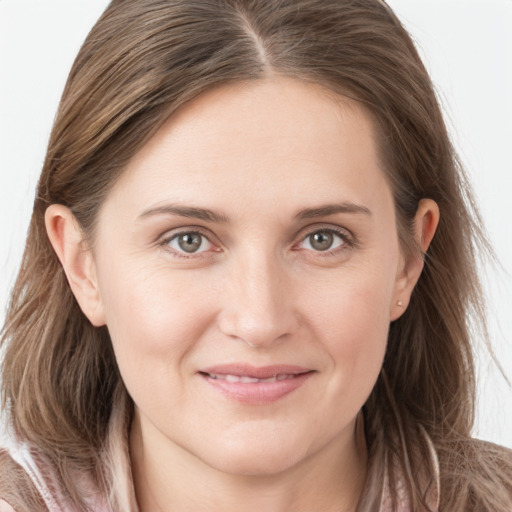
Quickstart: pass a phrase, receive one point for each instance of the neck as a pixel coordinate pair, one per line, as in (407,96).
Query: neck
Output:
(167,477)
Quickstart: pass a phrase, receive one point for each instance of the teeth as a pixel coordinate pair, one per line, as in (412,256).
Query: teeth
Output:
(245,379)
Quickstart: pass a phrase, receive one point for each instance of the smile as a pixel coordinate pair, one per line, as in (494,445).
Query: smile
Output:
(255,386)
(250,380)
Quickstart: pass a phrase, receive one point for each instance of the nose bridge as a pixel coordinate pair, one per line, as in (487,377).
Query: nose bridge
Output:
(258,306)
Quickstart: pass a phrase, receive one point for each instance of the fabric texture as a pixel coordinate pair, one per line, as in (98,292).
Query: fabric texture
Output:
(42,475)
(5,507)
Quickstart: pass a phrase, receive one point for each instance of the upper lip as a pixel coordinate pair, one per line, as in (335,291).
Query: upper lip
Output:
(256,372)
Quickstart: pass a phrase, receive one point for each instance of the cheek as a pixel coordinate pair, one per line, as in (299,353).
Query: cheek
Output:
(153,321)
(354,300)
(351,317)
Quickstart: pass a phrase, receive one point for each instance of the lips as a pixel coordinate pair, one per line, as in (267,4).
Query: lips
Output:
(255,385)
(262,372)
(250,380)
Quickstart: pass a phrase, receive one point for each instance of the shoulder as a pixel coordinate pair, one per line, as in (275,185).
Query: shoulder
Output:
(16,488)
(33,486)
(493,469)
(477,476)
(499,458)
(485,454)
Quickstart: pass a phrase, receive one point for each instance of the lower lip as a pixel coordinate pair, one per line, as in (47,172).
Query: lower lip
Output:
(257,393)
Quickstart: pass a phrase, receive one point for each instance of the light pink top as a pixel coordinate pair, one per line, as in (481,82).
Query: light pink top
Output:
(5,507)
(42,475)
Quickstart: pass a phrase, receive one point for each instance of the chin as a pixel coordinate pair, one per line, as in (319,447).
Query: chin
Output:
(259,455)
(254,464)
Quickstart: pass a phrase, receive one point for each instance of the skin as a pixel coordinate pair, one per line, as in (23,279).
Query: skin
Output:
(258,291)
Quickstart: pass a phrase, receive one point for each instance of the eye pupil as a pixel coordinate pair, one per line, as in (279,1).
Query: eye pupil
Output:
(189,242)
(321,240)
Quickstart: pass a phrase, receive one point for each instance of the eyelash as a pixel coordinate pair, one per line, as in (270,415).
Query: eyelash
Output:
(348,241)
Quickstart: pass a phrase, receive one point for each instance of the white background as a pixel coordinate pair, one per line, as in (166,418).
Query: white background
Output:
(467,47)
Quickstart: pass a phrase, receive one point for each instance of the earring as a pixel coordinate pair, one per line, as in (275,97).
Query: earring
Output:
(399,303)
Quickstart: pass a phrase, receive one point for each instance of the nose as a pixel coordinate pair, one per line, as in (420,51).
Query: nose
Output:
(258,303)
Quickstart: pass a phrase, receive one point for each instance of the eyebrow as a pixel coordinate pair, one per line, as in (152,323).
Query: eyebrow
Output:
(331,209)
(208,215)
(187,211)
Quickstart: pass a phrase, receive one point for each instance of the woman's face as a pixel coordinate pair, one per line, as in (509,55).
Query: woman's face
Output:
(248,267)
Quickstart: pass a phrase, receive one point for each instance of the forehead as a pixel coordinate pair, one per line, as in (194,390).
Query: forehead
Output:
(277,137)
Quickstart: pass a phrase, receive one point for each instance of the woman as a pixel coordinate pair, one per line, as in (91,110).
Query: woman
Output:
(248,276)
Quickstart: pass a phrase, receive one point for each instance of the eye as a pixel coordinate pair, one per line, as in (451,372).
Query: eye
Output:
(324,240)
(189,242)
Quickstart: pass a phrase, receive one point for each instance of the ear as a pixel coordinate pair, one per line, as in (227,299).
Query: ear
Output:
(426,221)
(67,240)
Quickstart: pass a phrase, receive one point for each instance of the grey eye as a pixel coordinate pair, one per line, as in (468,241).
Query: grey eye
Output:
(189,242)
(323,240)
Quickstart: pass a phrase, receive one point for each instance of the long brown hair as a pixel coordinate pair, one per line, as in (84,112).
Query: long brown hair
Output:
(142,61)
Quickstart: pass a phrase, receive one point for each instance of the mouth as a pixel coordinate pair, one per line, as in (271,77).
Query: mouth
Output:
(255,385)
(246,379)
